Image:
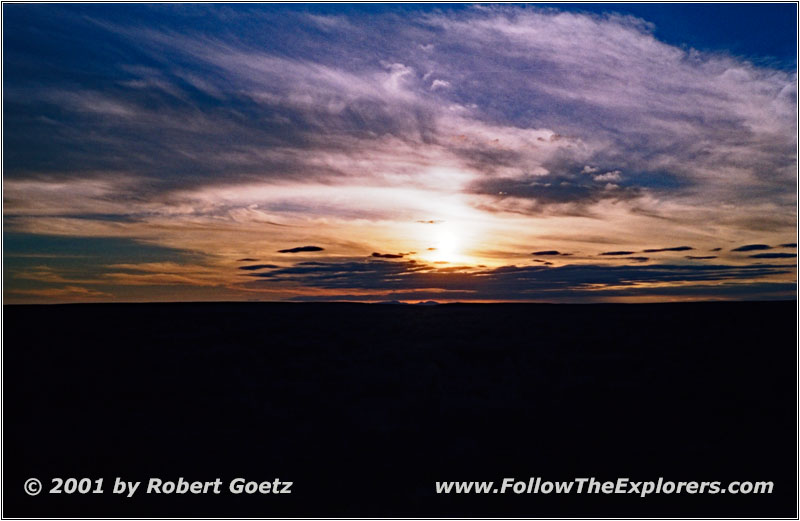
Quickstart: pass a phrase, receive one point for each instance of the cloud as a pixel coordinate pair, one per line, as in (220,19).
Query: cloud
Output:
(693,119)
(388,255)
(162,274)
(613,176)
(789,245)
(617,253)
(300,249)
(247,259)
(676,248)
(701,257)
(381,277)
(703,292)
(752,247)
(773,256)
(51,275)
(124,274)
(542,191)
(253,267)
(64,293)
(548,252)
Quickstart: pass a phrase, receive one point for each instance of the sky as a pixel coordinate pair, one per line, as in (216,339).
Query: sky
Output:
(392,152)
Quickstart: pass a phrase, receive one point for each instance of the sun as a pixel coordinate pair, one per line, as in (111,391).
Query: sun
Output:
(446,244)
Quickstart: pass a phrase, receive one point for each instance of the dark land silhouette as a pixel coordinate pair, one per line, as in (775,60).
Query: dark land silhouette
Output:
(364,407)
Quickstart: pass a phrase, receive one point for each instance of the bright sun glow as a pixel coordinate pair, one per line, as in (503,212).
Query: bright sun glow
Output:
(447,243)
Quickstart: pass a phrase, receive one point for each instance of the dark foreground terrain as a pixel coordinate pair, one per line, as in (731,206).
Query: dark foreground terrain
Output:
(364,407)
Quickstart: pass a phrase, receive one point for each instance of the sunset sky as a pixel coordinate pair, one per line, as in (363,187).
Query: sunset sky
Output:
(562,153)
